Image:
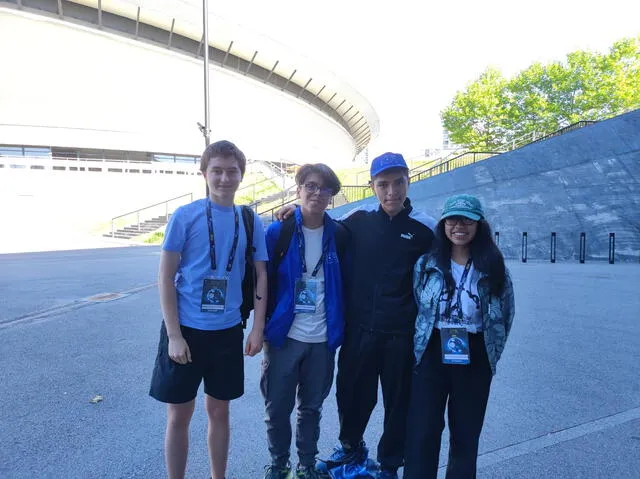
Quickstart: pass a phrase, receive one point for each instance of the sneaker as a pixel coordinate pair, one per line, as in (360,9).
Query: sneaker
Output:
(277,472)
(388,474)
(306,472)
(342,455)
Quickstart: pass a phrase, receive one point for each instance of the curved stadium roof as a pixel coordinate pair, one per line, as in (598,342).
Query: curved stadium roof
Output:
(177,25)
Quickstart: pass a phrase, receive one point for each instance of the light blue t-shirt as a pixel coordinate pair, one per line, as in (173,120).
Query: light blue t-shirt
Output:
(188,234)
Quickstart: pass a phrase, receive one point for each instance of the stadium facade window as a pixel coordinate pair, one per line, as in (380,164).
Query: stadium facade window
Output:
(176,158)
(37,152)
(33,151)
(11,151)
(164,158)
(186,159)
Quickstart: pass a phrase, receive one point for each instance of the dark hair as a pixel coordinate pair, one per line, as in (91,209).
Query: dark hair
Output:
(487,258)
(329,178)
(223,149)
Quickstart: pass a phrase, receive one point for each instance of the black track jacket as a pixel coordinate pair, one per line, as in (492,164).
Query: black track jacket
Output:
(379,267)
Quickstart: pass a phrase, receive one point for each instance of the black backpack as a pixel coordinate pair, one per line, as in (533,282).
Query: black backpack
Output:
(249,279)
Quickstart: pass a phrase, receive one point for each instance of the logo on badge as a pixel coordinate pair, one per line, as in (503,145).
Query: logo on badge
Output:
(215,296)
(456,345)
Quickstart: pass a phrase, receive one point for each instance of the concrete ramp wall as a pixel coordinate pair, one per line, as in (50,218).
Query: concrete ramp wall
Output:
(586,181)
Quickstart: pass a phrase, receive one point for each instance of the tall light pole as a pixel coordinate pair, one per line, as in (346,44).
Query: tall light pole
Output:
(206,130)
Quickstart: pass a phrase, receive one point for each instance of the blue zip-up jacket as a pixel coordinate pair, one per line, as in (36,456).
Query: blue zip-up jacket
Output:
(497,311)
(280,313)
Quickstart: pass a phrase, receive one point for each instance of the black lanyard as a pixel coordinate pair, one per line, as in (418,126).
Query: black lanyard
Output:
(301,248)
(212,241)
(463,278)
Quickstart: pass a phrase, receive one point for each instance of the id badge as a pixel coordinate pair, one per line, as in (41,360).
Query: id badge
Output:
(306,294)
(455,345)
(214,295)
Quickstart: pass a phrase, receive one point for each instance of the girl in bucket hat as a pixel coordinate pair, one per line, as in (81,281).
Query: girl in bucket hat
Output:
(465,311)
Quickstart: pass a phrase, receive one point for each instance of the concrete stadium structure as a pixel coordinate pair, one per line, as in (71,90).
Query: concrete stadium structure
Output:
(585,181)
(87,78)
(100,103)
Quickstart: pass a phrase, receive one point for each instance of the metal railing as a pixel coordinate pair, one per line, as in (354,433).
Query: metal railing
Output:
(141,212)
(355,192)
(272,211)
(566,129)
(463,159)
(535,136)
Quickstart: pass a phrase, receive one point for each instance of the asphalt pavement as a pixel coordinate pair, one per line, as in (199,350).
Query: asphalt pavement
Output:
(77,324)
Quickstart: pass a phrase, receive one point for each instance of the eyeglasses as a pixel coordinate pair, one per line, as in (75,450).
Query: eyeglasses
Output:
(312,188)
(454,220)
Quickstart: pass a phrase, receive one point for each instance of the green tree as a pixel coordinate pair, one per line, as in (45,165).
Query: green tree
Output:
(493,111)
(475,116)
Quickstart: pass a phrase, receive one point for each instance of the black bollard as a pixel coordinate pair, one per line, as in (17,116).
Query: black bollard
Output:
(552,256)
(583,246)
(524,247)
(612,248)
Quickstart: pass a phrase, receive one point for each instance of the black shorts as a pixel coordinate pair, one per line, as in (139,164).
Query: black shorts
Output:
(216,357)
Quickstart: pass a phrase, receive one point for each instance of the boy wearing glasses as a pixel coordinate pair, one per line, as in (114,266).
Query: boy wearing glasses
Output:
(202,264)
(305,322)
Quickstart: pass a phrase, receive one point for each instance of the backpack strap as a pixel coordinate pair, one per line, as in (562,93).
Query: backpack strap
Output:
(282,245)
(279,250)
(247,218)
(250,279)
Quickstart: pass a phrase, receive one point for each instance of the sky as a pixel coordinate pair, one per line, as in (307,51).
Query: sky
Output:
(409,58)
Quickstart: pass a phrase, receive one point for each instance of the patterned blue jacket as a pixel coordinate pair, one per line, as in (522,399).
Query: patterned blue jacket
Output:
(497,312)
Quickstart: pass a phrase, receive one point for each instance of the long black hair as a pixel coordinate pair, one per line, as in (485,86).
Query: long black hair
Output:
(486,256)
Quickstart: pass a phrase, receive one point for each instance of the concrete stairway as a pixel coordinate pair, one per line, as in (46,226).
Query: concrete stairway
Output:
(146,227)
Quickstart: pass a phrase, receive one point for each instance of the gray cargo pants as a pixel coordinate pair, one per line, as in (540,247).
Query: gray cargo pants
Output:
(305,368)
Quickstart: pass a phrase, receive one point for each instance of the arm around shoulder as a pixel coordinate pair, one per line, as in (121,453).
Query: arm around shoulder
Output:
(284,212)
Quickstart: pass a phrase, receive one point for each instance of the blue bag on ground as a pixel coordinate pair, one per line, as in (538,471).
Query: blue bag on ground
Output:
(364,469)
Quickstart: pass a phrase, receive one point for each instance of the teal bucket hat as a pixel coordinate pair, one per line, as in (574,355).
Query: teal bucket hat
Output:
(463,205)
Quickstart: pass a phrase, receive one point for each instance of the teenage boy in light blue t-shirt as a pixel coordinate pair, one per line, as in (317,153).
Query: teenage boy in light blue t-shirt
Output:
(200,280)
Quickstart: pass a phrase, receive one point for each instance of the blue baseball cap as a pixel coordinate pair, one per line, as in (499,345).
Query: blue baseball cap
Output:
(463,205)
(386,161)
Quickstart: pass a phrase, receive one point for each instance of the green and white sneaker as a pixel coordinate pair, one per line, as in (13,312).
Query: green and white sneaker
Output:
(277,472)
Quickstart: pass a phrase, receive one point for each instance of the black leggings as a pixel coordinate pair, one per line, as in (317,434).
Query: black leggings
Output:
(466,388)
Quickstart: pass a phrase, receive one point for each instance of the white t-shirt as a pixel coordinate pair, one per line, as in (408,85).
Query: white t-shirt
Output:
(312,327)
(469,300)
